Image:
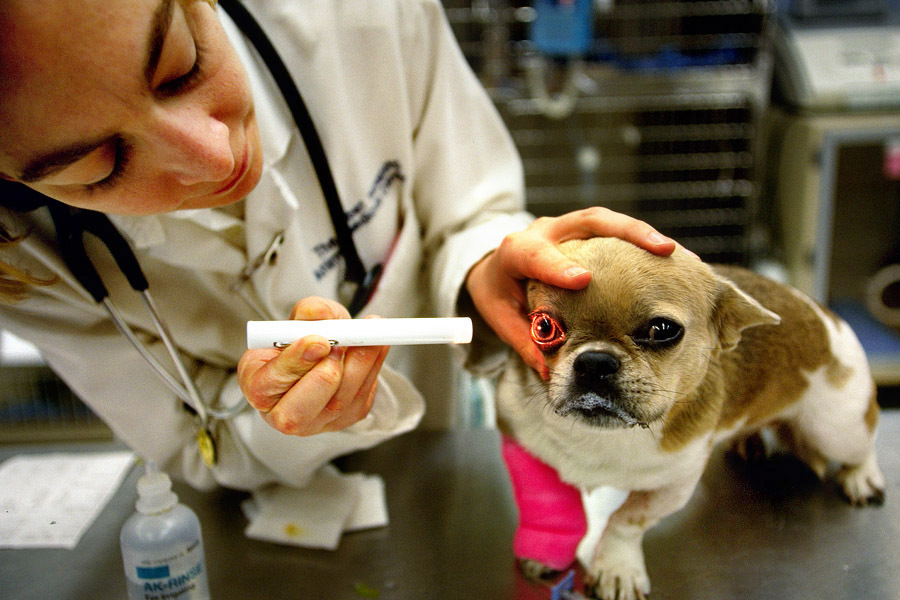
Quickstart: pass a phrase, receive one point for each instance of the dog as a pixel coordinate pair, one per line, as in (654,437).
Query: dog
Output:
(659,360)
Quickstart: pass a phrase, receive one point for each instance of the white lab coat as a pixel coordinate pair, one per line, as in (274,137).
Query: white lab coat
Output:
(424,167)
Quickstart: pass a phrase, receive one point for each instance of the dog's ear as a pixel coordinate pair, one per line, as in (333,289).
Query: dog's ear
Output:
(736,311)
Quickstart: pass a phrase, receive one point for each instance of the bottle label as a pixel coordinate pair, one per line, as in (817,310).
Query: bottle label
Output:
(178,574)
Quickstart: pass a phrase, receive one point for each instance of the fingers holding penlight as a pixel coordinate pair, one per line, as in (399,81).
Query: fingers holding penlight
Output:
(315,308)
(309,387)
(291,386)
(301,409)
(336,393)
(266,375)
(356,394)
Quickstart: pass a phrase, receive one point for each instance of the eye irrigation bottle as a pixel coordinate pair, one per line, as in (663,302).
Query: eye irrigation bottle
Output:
(162,547)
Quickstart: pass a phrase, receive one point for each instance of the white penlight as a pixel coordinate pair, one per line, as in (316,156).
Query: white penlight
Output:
(362,332)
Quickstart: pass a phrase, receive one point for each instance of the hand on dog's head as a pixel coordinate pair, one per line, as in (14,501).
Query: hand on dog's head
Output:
(623,350)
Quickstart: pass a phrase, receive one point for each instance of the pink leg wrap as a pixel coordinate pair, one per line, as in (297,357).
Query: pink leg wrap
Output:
(551,514)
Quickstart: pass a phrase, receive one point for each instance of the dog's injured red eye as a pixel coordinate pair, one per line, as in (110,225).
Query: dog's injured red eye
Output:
(546,331)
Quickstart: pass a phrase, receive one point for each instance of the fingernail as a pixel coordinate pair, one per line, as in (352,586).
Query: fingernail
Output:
(575,271)
(316,352)
(657,238)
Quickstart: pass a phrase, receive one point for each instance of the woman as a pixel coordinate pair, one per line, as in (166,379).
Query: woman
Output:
(161,114)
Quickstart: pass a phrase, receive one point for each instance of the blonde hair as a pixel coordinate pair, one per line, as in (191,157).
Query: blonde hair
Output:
(15,282)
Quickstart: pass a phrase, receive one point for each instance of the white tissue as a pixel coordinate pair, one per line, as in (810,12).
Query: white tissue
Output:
(371,509)
(317,515)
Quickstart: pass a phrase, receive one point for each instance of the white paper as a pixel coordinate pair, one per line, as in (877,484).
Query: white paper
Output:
(317,515)
(49,500)
(371,509)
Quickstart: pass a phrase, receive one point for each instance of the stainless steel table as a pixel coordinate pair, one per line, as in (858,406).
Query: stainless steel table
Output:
(772,533)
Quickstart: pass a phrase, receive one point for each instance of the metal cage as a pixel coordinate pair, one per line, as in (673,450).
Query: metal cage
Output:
(658,119)
(36,406)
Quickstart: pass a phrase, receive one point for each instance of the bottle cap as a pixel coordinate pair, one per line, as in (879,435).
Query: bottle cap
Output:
(155,493)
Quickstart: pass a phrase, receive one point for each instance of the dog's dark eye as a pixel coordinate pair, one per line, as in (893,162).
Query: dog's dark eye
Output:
(546,331)
(659,333)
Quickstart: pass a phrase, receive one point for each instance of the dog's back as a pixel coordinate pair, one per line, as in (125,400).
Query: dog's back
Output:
(807,378)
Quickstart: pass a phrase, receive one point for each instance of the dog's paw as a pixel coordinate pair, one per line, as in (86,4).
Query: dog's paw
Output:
(862,484)
(620,580)
(750,448)
(536,571)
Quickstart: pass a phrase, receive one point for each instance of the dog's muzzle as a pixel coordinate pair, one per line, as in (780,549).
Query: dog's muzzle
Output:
(593,369)
(593,393)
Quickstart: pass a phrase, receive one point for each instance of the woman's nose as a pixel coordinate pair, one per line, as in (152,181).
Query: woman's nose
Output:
(196,146)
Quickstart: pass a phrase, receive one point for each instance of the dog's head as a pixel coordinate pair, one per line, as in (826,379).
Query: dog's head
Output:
(624,350)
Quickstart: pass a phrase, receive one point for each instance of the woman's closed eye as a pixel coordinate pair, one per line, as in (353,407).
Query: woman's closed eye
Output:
(181,58)
(96,169)
(184,82)
(180,68)
(121,152)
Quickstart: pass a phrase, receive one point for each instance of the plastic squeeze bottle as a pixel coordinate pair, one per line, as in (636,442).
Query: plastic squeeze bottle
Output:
(162,547)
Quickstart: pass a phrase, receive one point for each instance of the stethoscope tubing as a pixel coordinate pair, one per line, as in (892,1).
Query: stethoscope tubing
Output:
(186,391)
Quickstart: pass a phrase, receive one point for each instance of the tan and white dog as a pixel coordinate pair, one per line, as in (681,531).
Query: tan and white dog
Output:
(657,361)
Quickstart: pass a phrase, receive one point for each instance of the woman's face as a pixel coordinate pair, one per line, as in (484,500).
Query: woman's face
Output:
(128,107)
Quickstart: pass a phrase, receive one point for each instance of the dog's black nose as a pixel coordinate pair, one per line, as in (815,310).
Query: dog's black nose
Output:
(592,368)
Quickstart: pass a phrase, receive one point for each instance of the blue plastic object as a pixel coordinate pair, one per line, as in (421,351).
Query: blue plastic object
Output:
(563,28)
(564,587)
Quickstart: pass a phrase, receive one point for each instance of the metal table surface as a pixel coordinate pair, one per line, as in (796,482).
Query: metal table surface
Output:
(771,533)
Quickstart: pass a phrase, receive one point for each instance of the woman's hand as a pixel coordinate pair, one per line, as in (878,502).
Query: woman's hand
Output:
(496,282)
(310,387)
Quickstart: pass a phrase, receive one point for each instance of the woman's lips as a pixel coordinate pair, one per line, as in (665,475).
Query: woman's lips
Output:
(239,173)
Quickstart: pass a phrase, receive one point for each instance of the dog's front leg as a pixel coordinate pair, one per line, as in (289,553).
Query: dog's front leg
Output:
(617,571)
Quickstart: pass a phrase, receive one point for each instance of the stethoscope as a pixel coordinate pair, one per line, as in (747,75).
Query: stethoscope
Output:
(72,223)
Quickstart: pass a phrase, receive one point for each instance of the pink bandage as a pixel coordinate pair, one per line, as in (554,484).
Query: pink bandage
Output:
(551,514)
